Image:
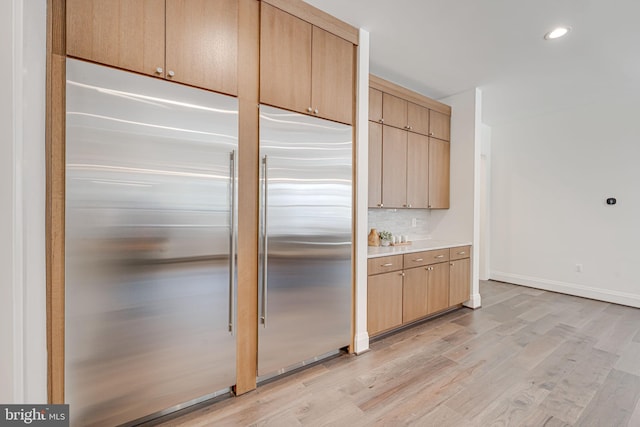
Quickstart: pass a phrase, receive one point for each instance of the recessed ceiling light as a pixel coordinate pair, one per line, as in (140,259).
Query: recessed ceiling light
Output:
(557,33)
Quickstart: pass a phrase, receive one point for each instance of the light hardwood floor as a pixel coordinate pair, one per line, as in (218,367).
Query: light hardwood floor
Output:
(526,358)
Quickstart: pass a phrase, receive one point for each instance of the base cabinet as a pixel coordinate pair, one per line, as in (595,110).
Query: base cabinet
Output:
(384,302)
(414,294)
(438,287)
(403,289)
(459,278)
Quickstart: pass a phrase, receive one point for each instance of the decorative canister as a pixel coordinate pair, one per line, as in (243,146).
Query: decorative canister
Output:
(374,238)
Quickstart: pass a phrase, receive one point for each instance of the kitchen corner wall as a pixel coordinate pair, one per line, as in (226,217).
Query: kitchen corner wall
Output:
(461,221)
(550,225)
(399,222)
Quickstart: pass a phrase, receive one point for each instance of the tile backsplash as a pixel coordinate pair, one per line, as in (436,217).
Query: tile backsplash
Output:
(399,221)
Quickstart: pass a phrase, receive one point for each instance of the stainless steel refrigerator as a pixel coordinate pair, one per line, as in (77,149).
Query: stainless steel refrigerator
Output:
(306,239)
(150,244)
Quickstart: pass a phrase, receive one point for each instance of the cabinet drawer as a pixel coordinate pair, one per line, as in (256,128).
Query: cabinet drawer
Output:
(384,264)
(417,259)
(460,252)
(439,255)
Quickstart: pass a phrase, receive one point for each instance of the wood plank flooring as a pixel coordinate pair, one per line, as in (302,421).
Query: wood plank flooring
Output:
(526,358)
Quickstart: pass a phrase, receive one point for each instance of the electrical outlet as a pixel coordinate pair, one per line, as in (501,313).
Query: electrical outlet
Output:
(414,222)
(578,268)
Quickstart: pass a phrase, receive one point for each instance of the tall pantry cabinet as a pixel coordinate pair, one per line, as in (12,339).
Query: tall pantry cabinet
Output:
(412,134)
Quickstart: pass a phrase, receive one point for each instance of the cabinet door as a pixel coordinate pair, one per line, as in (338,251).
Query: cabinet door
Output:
(460,281)
(438,290)
(202,43)
(417,171)
(418,118)
(384,302)
(394,111)
(285,60)
(439,152)
(375,105)
(439,125)
(414,294)
(126,34)
(394,167)
(375,165)
(332,77)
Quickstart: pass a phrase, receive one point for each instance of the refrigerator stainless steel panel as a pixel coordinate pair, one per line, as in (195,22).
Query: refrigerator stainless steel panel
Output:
(150,226)
(306,223)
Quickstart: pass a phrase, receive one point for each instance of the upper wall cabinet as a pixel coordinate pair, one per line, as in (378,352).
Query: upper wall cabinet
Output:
(409,150)
(375,105)
(193,42)
(305,68)
(202,43)
(439,125)
(400,113)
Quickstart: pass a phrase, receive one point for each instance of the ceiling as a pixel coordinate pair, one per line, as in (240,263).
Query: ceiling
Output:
(443,47)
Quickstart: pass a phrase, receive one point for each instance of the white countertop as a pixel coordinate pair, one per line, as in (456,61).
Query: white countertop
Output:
(415,246)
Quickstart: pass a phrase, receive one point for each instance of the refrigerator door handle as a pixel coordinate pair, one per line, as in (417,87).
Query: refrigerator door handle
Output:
(263,315)
(232,241)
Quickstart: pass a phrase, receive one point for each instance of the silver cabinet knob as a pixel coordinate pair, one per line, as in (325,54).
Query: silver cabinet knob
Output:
(171,73)
(159,70)
(315,111)
(430,133)
(381,121)
(310,109)
(380,205)
(409,204)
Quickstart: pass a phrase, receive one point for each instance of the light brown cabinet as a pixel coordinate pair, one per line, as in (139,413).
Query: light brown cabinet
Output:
(394,167)
(439,158)
(409,287)
(417,171)
(126,34)
(417,118)
(405,172)
(394,111)
(194,42)
(375,165)
(375,105)
(438,287)
(304,68)
(384,302)
(202,43)
(414,294)
(414,167)
(439,125)
(459,280)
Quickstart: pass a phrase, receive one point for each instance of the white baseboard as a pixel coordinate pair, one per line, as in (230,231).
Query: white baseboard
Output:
(474,302)
(616,297)
(361,343)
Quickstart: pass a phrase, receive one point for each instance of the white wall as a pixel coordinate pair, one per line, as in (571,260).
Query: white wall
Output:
(550,177)
(22,203)
(462,220)
(485,202)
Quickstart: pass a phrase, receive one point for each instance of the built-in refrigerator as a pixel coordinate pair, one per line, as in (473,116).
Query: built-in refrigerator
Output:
(150,235)
(306,223)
